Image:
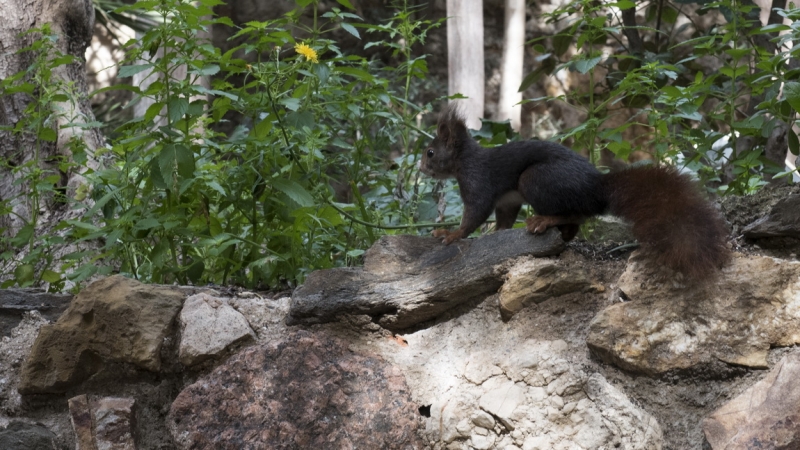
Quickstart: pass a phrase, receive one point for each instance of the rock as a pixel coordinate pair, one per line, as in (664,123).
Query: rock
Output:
(479,370)
(502,399)
(754,304)
(114,423)
(483,420)
(783,219)
(14,348)
(20,435)
(536,280)
(630,426)
(209,325)
(80,414)
(482,442)
(408,279)
(15,302)
(609,229)
(766,415)
(114,319)
(305,391)
(261,313)
(104,423)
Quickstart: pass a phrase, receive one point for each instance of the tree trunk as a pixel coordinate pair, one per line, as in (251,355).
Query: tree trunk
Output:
(22,154)
(465,56)
(513,57)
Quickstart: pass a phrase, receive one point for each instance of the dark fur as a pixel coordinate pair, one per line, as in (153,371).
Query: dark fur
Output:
(670,217)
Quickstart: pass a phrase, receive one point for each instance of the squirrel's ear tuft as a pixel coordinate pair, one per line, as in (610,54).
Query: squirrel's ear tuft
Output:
(451,125)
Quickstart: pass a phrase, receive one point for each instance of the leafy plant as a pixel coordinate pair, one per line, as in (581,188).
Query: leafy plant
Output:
(712,122)
(182,202)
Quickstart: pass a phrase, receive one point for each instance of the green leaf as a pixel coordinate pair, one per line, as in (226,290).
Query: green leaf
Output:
(561,43)
(791,90)
(48,134)
(208,70)
(294,191)
(546,68)
(176,158)
(24,274)
(50,276)
(669,15)
(585,65)
(262,129)
(345,3)
(152,111)
(322,71)
(23,236)
(195,271)
(177,108)
(350,29)
(129,71)
(146,224)
(290,103)
(357,73)
(300,119)
(794,143)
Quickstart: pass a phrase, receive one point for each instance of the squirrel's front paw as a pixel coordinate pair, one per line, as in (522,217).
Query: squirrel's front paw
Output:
(449,236)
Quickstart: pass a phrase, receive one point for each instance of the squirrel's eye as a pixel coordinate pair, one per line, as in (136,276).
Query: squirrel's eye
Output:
(430,153)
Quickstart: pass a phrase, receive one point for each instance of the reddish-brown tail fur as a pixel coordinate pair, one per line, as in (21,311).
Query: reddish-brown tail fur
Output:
(672,220)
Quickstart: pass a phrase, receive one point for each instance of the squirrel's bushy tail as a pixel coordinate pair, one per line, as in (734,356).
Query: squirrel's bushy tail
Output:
(671,218)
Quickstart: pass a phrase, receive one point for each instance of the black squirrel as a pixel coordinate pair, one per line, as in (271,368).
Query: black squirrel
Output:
(671,219)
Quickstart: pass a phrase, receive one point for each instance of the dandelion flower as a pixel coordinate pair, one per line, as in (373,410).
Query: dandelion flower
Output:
(306,51)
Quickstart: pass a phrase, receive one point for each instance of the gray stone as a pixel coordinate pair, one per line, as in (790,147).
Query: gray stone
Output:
(632,427)
(209,325)
(20,435)
(408,279)
(609,229)
(15,302)
(14,349)
(483,420)
(783,219)
(766,415)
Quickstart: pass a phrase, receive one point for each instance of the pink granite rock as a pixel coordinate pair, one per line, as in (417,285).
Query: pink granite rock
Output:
(306,391)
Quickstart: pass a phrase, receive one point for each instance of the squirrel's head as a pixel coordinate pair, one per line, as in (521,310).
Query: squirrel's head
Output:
(439,159)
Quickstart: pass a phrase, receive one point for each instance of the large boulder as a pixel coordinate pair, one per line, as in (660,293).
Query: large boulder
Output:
(305,391)
(668,326)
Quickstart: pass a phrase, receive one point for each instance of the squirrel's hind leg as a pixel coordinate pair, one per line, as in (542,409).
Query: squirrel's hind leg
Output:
(506,215)
(568,225)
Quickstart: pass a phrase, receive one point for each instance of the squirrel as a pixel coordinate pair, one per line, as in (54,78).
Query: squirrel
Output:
(675,225)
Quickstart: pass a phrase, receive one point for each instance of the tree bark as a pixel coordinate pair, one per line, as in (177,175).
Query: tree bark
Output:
(465,56)
(73,22)
(513,57)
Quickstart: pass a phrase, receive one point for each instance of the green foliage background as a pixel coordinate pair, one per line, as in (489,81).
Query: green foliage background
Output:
(325,161)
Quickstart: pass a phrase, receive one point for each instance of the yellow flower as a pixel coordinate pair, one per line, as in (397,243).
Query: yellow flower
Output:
(306,51)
